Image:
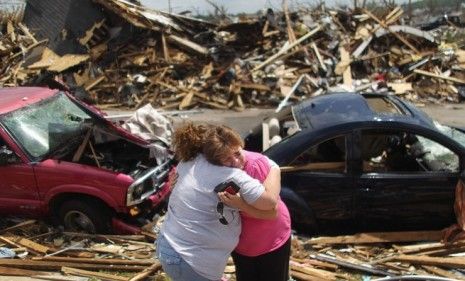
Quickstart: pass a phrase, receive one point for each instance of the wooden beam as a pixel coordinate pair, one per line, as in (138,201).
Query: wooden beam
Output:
(379,237)
(142,262)
(188,44)
(51,265)
(146,272)
(18,272)
(287,48)
(92,274)
(454,262)
(385,26)
(430,74)
(30,245)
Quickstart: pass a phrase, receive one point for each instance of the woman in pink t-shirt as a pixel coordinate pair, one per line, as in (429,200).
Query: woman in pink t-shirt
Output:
(265,242)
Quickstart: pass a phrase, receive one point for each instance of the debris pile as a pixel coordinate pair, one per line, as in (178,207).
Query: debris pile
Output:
(179,62)
(30,248)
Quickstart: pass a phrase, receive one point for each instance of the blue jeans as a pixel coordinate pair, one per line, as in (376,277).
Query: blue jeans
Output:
(173,264)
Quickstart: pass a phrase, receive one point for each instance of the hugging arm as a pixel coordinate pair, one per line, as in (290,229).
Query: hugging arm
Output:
(237,202)
(270,197)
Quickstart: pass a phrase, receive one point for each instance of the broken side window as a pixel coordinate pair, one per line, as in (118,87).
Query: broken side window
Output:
(401,151)
(7,156)
(327,156)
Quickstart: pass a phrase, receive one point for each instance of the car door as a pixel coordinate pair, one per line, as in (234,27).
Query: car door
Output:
(406,181)
(18,190)
(318,188)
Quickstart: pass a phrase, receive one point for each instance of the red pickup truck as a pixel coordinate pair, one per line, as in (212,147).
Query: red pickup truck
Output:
(61,158)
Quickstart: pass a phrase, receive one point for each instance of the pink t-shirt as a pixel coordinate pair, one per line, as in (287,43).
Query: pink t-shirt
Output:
(259,236)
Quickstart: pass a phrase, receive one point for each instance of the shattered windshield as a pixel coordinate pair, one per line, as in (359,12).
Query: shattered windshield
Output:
(454,134)
(43,127)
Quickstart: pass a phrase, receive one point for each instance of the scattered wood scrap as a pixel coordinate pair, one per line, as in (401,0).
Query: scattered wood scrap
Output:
(130,257)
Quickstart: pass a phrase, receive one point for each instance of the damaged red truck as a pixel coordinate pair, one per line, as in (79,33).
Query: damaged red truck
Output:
(61,158)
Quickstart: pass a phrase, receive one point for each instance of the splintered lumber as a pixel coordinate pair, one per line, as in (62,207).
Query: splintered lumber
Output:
(369,269)
(146,272)
(314,263)
(426,73)
(92,274)
(424,248)
(300,271)
(385,26)
(19,225)
(106,236)
(441,272)
(452,262)
(188,44)
(287,48)
(51,265)
(30,245)
(379,237)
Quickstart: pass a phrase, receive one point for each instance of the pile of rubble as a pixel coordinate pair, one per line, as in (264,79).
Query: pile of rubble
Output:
(29,248)
(178,62)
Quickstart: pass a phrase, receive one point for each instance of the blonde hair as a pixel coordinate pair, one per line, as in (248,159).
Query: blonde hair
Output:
(215,142)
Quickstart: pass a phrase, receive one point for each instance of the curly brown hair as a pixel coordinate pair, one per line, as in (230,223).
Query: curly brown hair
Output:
(188,141)
(215,142)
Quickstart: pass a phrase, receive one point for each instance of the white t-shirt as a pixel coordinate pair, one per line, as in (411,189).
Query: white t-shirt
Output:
(191,224)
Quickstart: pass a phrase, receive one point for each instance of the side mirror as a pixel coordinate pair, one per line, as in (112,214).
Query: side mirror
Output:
(7,156)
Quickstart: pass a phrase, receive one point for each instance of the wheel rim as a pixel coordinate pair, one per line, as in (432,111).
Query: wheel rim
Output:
(78,221)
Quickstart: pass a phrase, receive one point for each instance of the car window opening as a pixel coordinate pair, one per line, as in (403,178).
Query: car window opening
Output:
(399,151)
(382,105)
(328,156)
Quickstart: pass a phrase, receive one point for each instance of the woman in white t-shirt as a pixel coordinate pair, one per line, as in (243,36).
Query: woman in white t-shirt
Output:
(197,236)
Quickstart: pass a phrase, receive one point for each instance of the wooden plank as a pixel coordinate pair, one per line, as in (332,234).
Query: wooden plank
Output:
(31,245)
(379,237)
(188,44)
(319,273)
(287,48)
(403,40)
(454,262)
(441,272)
(186,101)
(143,262)
(318,56)
(92,274)
(430,74)
(146,272)
(51,265)
(82,146)
(27,32)
(92,83)
(18,272)
(345,64)
(166,52)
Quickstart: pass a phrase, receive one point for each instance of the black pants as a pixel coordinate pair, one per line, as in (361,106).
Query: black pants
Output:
(272,266)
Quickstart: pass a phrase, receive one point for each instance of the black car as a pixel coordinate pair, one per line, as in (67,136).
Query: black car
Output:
(372,162)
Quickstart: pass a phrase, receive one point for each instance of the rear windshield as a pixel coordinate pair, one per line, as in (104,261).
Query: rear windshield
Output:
(383,105)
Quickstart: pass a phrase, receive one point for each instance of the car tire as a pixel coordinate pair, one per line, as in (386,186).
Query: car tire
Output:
(84,216)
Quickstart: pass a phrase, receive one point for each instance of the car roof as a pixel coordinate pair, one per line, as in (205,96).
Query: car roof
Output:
(12,99)
(338,108)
